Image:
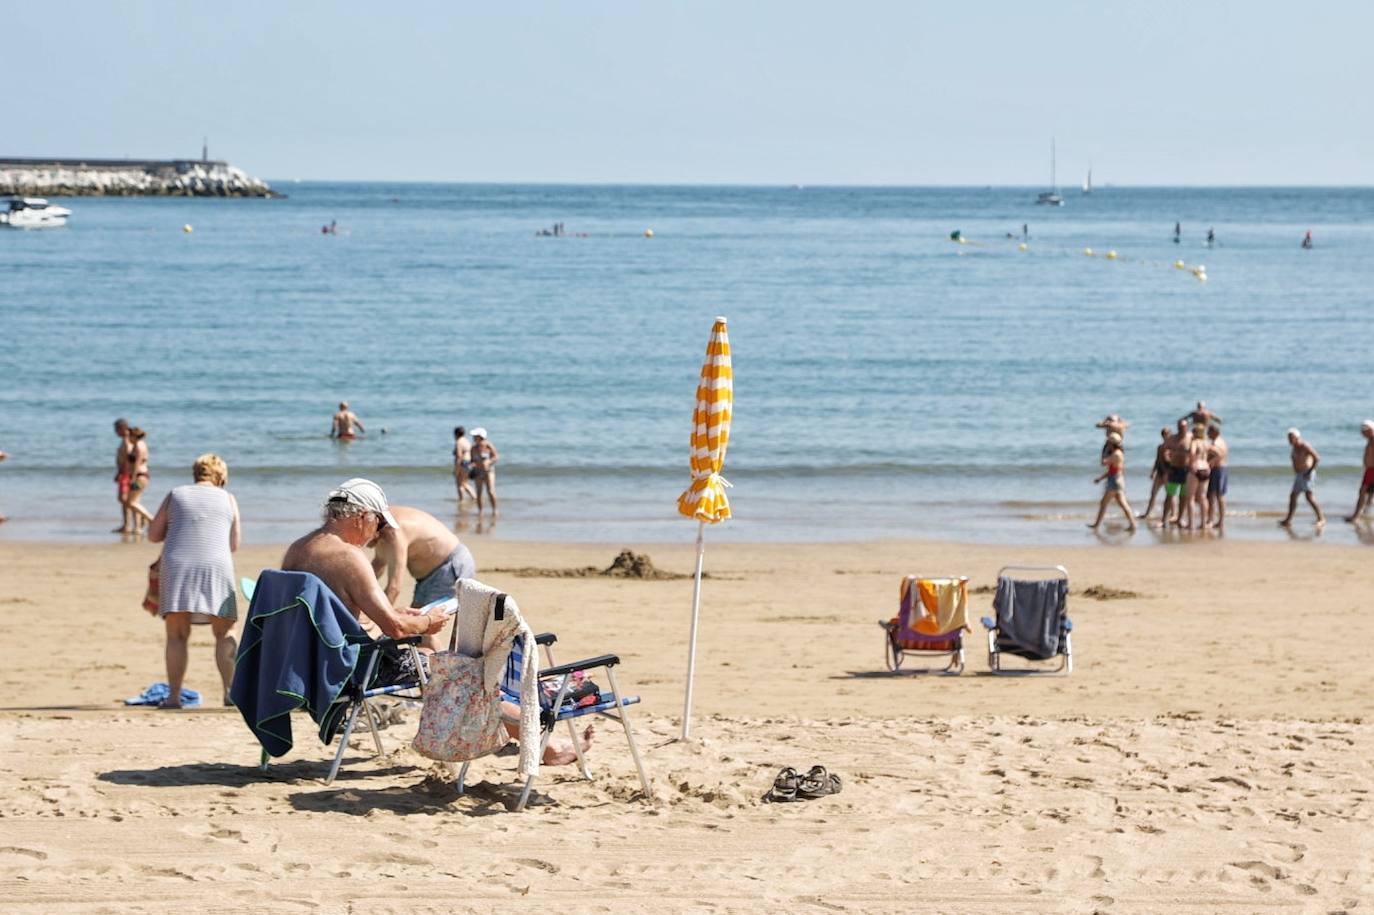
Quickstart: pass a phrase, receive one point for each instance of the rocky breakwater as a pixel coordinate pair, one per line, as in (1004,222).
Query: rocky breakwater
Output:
(128,178)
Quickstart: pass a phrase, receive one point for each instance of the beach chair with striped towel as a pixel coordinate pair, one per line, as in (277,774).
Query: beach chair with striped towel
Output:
(931,619)
(563,694)
(1032,619)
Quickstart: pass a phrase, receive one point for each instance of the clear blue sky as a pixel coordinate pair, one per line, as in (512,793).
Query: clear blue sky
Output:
(716,91)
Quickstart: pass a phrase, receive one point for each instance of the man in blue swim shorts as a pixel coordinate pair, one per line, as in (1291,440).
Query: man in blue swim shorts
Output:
(426,548)
(1305,460)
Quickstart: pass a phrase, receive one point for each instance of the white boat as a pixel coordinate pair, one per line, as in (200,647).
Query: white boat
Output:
(33,213)
(1051,197)
(1088,181)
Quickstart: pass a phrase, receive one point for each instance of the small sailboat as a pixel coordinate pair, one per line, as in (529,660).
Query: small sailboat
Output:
(1088,181)
(1051,197)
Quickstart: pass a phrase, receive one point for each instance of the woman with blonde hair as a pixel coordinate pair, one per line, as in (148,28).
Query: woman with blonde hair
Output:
(200,526)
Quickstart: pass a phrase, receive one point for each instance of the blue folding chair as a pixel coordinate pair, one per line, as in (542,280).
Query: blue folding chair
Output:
(343,643)
(1032,619)
(555,706)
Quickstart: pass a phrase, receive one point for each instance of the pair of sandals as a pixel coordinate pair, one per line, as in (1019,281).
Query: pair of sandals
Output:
(791,786)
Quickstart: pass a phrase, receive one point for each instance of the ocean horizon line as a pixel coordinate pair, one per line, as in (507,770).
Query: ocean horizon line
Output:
(820,185)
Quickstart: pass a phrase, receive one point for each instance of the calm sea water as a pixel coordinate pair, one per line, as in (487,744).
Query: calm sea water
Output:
(888,382)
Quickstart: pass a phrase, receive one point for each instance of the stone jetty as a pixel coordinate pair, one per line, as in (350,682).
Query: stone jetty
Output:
(128,178)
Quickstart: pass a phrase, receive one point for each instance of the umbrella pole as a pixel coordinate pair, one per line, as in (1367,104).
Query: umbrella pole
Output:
(692,639)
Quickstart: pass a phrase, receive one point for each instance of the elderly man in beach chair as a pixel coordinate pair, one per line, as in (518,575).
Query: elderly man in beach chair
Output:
(1032,619)
(304,649)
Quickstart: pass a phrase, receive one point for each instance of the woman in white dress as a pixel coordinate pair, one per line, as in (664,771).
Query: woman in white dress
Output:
(200,526)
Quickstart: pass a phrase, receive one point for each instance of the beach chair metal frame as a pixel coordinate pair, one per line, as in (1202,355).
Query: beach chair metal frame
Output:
(613,705)
(360,700)
(359,697)
(1065,653)
(895,653)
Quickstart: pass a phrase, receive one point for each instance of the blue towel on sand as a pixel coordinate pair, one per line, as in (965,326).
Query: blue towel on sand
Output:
(298,651)
(1029,615)
(159,691)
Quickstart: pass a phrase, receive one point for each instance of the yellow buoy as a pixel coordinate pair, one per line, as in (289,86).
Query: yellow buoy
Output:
(1111,255)
(1023,247)
(1179,265)
(648,233)
(187,228)
(1088,251)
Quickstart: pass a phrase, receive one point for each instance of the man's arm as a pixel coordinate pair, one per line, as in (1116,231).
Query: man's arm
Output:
(1316,458)
(363,594)
(357,422)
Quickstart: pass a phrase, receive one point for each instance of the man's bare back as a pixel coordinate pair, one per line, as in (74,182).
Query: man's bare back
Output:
(345,569)
(421,545)
(344,421)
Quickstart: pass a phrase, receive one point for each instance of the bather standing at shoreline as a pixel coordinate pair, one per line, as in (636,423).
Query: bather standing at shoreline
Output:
(1366,480)
(484,458)
(1199,477)
(1176,453)
(139,476)
(121,477)
(1305,460)
(344,421)
(1218,451)
(1113,424)
(462,465)
(1159,473)
(1200,414)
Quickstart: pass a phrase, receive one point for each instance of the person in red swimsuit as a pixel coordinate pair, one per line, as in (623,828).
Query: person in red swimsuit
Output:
(123,474)
(1367,480)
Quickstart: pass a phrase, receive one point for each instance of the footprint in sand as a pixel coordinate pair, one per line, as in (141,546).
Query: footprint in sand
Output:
(223,833)
(1260,872)
(548,866)
(25,852)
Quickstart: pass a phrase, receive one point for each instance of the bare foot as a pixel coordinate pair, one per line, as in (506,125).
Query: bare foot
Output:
(1092,527)
(564,755)
(1320,523)
(168,704)
(1286,522)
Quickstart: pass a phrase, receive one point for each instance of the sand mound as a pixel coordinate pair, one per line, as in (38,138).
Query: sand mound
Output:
(628,564)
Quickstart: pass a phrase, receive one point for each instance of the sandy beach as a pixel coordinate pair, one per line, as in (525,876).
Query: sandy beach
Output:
(1207,754)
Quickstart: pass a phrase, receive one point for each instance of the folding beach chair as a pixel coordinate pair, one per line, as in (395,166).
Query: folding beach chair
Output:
(558,684)
(1032,619)
(931,619)
(302,648)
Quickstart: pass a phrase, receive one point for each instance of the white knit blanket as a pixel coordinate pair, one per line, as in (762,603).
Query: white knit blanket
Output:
(478,634)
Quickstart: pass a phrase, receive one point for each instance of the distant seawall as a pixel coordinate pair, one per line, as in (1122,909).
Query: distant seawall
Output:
(128,178)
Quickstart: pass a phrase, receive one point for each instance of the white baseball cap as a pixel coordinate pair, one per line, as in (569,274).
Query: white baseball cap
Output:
(366,494)
(479,432)
(1367,424)
(1295,433)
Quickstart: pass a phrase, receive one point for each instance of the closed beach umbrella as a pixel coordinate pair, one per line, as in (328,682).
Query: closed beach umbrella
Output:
(705,499)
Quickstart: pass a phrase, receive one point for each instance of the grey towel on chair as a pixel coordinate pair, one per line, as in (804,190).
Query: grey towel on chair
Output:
(1029,615)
